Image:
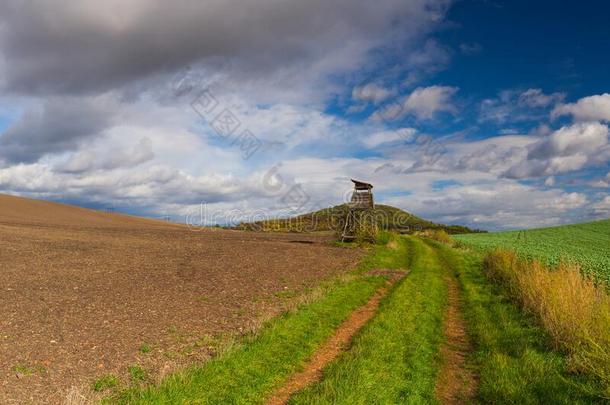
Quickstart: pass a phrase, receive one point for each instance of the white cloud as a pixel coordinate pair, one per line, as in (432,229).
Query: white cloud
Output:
(584,138)
(431,58)
(109,131)
(380,138)
(497,109)
(535,98)
(518,106)
(592,108)
(601,183)
(601,209)
(501,204)
(568,149)
(286,48)
(423,103)
(492,156)
(87,160)
(477,199)
(431,54)
(152,189)
(371,92)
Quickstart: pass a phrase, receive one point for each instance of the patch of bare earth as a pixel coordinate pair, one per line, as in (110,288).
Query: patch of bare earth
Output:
(456,384)
(338,342)
(84,294)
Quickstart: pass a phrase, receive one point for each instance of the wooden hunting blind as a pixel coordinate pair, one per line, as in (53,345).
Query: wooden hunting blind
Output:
(362,196)
(356,219)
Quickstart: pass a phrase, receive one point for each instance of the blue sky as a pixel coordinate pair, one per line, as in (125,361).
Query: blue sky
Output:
(491,114)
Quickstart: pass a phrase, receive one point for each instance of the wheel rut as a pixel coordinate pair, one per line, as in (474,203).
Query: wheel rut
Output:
(337,343)
(456,383)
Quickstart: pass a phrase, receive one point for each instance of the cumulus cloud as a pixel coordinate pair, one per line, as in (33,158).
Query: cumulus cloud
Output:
(535,98)
(601,209)
(571,140)
(379,138)
(431,54)
(601,183)
(496,109)
(88,160)
(427,60)
(565,150)
(592,108)
(59,125)
(503,204)
(97,80)
(568,149)
(492,156)
(518,105)
(155,188)
(423,103)
(102,126)
(88,46)
(474,198)
(371,92)
(427,101)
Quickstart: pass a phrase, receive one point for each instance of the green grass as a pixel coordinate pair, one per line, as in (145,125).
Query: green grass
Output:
(394,255)
(26,370)
(513,356)
(587,244)
(137,373)
(331,220)
(254,368)
(105,382)
(394,358)
(145,348)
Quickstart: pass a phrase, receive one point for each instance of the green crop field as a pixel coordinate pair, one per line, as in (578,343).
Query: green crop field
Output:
(587,244)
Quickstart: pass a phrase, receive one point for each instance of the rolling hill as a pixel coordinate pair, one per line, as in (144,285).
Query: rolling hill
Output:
(331,219)
(19,210)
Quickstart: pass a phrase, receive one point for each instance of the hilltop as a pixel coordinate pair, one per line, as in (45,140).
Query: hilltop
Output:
(330,219)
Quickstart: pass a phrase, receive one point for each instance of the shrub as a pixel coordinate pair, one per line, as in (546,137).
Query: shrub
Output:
(384,237)
(366,229)
(438,235)
(572,308)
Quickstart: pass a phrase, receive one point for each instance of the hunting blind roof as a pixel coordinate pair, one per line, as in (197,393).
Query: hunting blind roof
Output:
(361,185)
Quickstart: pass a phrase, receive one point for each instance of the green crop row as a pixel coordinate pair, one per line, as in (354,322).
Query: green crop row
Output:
(587,244)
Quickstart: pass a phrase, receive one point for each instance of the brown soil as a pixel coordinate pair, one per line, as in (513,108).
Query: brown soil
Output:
(335,345)
(455,384)
(82,291)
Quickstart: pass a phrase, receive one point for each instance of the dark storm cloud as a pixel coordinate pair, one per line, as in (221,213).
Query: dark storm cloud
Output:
(66,46)
(61,124)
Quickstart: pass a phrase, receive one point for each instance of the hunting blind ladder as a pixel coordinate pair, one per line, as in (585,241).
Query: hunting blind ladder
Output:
(360,204)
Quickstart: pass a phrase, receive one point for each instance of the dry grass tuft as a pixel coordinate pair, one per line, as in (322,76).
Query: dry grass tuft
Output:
(81,396)
(438,235)
(571,307)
